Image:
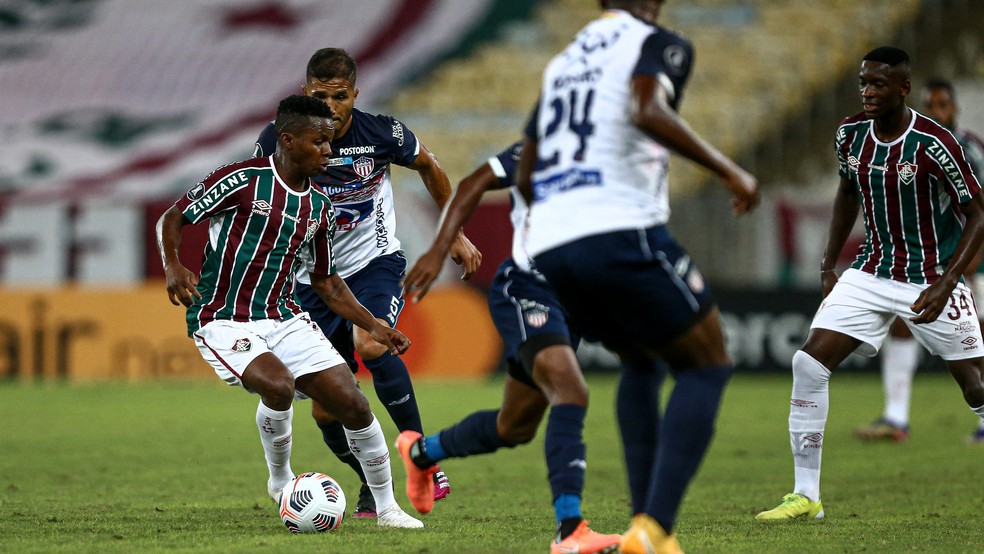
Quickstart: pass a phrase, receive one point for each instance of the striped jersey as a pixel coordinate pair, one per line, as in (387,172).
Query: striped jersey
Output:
(597,172)
(260,232)
(910,191)
(359,185)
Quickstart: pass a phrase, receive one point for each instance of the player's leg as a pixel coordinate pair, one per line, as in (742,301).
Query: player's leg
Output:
(900,358)
(331,429)
(335,389)
(633,295)
(969,375)
(307,352)
(480,432)
(808,409)
(558,374)
(378,288)
(856,315)
(976,281)
(271,379)
(239,355)
(956,337)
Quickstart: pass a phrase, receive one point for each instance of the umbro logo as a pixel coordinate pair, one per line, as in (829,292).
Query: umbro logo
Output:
(262,208)
(399,401)
(802,403)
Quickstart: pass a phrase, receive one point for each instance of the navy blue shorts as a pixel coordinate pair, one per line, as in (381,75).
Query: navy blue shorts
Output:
(377,286)
(634,290)
(528,316)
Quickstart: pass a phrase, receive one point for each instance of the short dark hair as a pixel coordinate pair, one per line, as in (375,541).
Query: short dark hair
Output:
(295,112)
(889,55)
(939,83)
(331,63)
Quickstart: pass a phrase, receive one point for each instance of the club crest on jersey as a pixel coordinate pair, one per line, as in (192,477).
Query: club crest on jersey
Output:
(261,207)
(363,166)
(312,228)
(242,345)
(676,58)
(907,171)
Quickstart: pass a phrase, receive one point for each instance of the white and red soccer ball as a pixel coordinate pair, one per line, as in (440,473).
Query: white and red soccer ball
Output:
(312,503)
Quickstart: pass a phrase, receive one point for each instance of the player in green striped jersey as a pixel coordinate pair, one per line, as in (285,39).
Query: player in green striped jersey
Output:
(900,355)
(924,223)
(267,219)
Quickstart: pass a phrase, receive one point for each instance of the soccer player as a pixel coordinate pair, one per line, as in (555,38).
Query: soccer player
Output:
(924,222)
(266,219)
(594,167)
(542,370)
(901,353)
(369,259)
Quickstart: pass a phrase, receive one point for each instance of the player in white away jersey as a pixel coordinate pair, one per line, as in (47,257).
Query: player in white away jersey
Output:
(542,370)
(266,220)
(594,168)
(924,223)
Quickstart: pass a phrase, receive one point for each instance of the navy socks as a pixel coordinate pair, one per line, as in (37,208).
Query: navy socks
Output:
(391,379)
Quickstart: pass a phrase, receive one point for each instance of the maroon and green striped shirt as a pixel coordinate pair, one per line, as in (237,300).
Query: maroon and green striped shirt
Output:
(260,232)
(910,191)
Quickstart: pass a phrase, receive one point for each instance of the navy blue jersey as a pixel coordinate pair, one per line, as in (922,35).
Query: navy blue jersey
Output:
(358,183)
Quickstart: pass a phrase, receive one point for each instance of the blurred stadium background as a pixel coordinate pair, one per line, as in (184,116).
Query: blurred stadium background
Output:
(111,109)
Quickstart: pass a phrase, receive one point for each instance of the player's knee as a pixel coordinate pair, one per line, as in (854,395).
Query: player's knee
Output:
(321,414)
(352,409)
(807,371)
(515,433)
(368,348)
(278,393)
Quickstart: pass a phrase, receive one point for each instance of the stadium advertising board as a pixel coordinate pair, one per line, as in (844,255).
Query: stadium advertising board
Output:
(135,333)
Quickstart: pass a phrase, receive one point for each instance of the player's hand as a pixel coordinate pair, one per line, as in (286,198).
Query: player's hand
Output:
(931,302)
(465,254)
(423,274)
(394,341)
(744,187)
(181,284)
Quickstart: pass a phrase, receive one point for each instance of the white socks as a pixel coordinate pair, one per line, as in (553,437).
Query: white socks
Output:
(900,357)
(807,417)
(275,434)
(369,447)
(980,413)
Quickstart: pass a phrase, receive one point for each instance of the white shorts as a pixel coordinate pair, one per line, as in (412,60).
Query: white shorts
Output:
(230,346)
(863,306)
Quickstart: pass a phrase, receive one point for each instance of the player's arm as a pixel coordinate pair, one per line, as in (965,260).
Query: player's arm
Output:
(847,206)
(463,252)
(456,212)
(339,299)
(650,111)
(934,299)
(181,281)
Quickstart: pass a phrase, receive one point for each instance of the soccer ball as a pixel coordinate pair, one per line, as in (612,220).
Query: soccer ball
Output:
(312,503)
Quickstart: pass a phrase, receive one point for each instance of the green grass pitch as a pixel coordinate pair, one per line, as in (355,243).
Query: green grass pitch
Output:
(177,467)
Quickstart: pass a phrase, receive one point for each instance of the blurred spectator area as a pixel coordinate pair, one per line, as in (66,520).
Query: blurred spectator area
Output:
(103,130)
(771,81)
